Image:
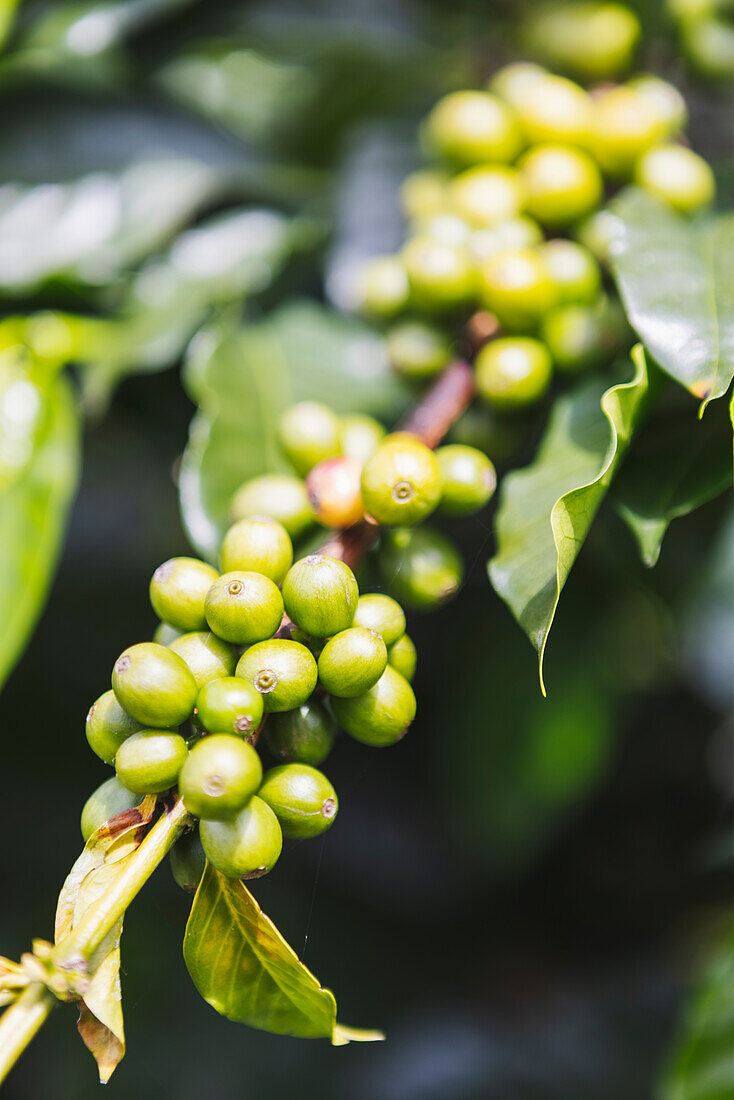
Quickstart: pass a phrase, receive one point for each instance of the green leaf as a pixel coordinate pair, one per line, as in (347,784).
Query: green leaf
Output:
(243,379)
(677,464)
(702,1066)
(676,280)
(547,508)
(35,499)
(98,984)
(243,967)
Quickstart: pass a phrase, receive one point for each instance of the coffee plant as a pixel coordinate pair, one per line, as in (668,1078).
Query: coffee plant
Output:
(552,332)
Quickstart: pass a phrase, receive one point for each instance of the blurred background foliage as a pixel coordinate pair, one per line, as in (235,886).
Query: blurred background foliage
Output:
(521,893)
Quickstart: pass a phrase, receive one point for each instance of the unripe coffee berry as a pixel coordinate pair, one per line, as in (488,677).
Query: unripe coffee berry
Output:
(229,705)
(381,613)
(207,656)
(244,607)
(309,433)
(583,337)
(563,184)
(417,349)
(219,776)
(574,271)
(281,496)
(553,109)
(513,234)
(625,125)
(677,176)
(188,861)
(108,725)
(382,715)
(423,194)
(517,287)
(471,127)
(421,566)
(302,799)
(258,544)
(284,672)
(383,290)
(513,372)
(335,492)
(442,276)
(487,196)
(150,761)
(320,595)
(468,479)
(510,81)
(304,735)
(154,685)
(109,799)
(352,661)
(403,657)
(164,634)
(401,483)
(246,845)
(177,592)
(664,98)
(360,436)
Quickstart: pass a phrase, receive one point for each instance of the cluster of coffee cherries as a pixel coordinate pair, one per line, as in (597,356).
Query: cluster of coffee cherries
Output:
(269,638)
(510,221)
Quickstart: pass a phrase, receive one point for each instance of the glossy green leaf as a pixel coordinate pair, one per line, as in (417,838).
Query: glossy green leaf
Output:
(100,997)
(242,380)
(36,491)
(676,280)
(702,1067)
(244,969)
(547,508)
(676,464)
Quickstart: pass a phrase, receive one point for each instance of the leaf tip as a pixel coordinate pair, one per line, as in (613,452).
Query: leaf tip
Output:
(341,1035)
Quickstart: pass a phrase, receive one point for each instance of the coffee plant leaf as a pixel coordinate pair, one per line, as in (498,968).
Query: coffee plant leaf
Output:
(243,968)
(676,281)
(547,508)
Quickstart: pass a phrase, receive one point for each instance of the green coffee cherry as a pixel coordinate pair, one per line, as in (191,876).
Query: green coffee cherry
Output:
(381,613)
(665,99)
(382,715)
(594,40)
(468,479)
(417,349)
(284,672)
(384,290)
(517,287)
(309,433)
(447,228)
(360,436)
(511,81)
(304,735)
(108,725)
(164,634)
(421,566)
(403,657)
(302,799)
(206,656)
(513,234)
(401,483)
(320,595)
(582,337)
(441,276)
(677,176)
(220,775)
(473,128)
(280,496)
(246,845)
(109,799)
(244,607)
(335,491)
(513,372)
(574,271)
(626,124)
(154,685)
(553,109)
(352,661)
(188,861)
(563,184)
(258,544)
(487,196)
(229,705)
(423,194)
(497,435)
(708,42)
(150,761)
(177,592)
(597,232)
